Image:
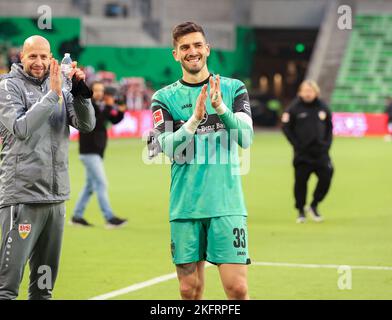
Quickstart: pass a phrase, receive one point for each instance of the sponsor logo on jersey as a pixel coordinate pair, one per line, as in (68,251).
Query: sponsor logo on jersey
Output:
(158,117)
(322,115)
(24,230)
(210,123)
(204,120)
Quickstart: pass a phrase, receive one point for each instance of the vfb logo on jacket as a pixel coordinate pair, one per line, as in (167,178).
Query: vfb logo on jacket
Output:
(24,230)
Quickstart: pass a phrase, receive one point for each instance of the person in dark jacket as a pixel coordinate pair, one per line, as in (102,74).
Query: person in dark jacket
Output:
(92,148)
(307,124)
(35,115)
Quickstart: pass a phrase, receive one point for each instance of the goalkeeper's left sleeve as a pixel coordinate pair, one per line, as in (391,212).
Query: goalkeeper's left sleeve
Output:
(239,121)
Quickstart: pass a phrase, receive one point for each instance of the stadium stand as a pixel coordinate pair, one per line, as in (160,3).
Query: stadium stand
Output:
(364,79)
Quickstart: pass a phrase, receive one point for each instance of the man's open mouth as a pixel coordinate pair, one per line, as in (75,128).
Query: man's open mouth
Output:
(193,59)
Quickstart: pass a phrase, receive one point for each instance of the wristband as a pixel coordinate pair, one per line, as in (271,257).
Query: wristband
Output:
(192,124)
(221,109)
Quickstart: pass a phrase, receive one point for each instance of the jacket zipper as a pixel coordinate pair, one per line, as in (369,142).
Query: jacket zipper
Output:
(12,217)
(53,173)
(54,189)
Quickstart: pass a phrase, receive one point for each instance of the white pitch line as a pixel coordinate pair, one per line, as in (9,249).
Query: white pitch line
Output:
(170,276)
(326,266)
(138,286)
(135,287)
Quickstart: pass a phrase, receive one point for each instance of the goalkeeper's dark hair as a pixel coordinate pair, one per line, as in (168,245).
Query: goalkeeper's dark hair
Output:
(184,28)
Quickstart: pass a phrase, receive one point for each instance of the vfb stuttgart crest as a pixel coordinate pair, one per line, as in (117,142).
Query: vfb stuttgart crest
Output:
(322,115)
(24,230)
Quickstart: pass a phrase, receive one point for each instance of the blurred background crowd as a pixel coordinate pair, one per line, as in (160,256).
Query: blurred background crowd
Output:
(272,46)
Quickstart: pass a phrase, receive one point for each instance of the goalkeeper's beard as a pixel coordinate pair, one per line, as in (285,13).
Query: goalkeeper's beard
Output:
(196,70)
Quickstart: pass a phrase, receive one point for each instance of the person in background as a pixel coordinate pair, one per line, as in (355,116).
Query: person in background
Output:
(13,56)
(136,95)
(388,111)
(307,124)
(92,148)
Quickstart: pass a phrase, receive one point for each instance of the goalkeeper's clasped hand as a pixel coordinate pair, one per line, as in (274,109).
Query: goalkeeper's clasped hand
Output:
(215,96)
(200,108)
(215,92)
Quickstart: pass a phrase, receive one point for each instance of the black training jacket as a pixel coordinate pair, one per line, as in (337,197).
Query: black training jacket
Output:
(308,127)
(95,141)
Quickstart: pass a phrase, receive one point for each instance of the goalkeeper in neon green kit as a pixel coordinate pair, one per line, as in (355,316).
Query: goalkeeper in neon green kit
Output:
(199,121)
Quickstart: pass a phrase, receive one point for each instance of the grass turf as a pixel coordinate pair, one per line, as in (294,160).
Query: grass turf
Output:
(357,230)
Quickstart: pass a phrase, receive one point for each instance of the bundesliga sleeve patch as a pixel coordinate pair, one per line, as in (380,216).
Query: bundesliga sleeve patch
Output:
(158,117)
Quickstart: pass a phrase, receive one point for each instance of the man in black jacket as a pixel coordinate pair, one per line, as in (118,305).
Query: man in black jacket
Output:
(307,124)
(91,148)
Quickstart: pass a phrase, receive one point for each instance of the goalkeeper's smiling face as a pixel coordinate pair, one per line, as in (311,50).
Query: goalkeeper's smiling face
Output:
(192,51)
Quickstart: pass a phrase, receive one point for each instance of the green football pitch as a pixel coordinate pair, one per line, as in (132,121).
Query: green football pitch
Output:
(290,261)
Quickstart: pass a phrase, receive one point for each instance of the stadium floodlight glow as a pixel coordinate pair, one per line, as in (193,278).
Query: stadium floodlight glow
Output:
(299,47)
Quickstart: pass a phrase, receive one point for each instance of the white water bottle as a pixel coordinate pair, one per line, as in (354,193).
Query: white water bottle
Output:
(66,67)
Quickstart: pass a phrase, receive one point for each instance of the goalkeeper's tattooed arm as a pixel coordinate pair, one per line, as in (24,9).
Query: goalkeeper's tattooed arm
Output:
(239,121)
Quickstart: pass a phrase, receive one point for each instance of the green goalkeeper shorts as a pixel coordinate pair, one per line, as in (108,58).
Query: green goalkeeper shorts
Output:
(217,240)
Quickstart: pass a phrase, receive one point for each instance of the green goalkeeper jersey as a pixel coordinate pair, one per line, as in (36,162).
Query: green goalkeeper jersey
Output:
(205,180)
